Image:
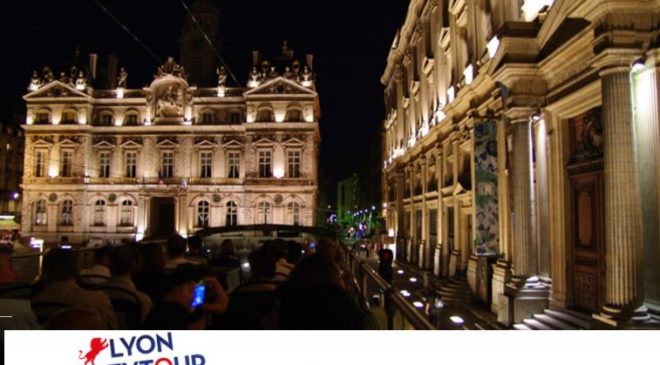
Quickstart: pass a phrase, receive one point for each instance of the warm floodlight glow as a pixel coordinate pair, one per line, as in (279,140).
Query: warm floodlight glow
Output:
(451,93)
(468,73)
(418,304)
(413,279)
(492,46)
(278,172)
(221,91)
(120,92)
(456,320)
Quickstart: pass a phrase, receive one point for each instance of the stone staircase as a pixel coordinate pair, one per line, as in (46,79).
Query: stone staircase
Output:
(455,290)
(550,319)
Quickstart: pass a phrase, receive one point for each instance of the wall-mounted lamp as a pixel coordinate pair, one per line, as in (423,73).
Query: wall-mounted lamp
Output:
(638,64)
(536,116)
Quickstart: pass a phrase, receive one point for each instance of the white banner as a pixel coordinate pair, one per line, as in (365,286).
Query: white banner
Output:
(324,347)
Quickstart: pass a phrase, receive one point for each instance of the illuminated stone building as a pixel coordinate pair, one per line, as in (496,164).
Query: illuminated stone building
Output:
(518,140)
(11,169)
(125,163)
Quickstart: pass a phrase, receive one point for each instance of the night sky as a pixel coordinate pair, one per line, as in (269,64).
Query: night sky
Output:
(349,39)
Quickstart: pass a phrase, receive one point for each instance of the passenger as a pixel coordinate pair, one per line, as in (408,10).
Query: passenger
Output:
(195,251)
(76,319)
(100,272)
(252,303)
(315,298)
(176,249)
(123,263)
(22,316)
(228,257)
(175,312)
(60,268)
(294,252)
(150,278)
(283,268)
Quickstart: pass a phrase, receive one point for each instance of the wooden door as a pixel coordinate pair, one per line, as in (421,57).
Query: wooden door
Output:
(588,241)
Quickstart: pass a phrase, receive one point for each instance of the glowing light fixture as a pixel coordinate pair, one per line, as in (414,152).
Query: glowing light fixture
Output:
(450,94)
(413,279)
(120,92)
(405,293)
(418,304)
(468,73)
(278,172)
(221,91)
(638,65)
(492,46)
(456,320)
(400,272)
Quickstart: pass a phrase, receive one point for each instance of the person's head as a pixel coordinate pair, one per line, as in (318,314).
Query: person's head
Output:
(320,306)
(262,263)
(75,319)
(294,252)
(316,269)
(227,248)
(278,248)
(153,258)
(102,255)
(329,249)
(176,246)
(7,272)
(195,244)
(123,260)
(60,265)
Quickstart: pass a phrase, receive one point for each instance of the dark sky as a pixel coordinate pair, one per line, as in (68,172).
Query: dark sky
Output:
(350,41)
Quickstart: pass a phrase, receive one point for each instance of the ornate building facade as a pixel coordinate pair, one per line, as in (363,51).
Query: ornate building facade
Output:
(518,140)
(11,169)
(128,163)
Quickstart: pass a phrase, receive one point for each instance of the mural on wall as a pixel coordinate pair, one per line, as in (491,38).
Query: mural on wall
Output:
(485,164)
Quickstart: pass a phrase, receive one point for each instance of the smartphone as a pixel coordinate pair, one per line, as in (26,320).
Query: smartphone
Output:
(198,295)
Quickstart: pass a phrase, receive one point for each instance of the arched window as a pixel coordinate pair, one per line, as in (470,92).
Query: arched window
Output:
(293,213)
(40,213)
(131,119)
(203,214)
(294,115)
(68,117)
(66,213)
(232,214)
(42,117)
(105,118)
(99,213)
(207,117)
(126,214)
(263,216)
(264,116)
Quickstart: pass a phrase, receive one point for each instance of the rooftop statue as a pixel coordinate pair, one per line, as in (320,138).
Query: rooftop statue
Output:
(35,81)
(222,76)
(121,79)
(47,74)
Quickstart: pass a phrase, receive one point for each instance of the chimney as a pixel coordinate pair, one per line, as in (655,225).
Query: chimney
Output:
(93,60)
(256,58)
(310,61)
(112,71)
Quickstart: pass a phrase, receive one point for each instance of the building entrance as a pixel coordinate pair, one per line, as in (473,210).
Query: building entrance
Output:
(585,171)
(162,217)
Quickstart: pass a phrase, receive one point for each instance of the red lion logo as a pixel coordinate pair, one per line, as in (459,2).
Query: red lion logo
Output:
(96,346)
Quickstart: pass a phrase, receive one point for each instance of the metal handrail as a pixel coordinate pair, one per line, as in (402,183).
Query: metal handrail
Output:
(363,273)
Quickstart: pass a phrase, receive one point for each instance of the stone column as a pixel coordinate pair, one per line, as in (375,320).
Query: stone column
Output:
(623,246)
(524,259)
(646,95)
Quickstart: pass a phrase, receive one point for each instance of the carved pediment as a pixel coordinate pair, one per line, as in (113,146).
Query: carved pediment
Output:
(201,142)
(43,140)
(232,141)
(263,139)
(56,89)
(131,142)
(167,142)
(70,140)
(104,142)
(280,85)
(293,140)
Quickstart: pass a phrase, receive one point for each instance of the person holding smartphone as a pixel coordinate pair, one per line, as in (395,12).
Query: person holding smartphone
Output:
(192,296)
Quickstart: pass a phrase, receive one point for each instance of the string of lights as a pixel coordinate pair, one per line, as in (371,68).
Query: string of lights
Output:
(208,40)
(125,28)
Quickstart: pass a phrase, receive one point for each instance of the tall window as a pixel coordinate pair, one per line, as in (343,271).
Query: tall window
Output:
(68,117)
(265,159)
(130,162)
(66,157)
(40,163)
(264,213)
(104,164)
(205,160)
(167,164)
(233,164)
(106,119)
(40,213)
(66,210)
(131,119)
(232,214)
(207,117)
(99,213)
(293,163)
(293,212)
(126,214)
(42,118)
(203,214)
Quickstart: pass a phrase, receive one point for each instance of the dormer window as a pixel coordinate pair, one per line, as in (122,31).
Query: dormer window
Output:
(105,119)
(42,117)
(207,117)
